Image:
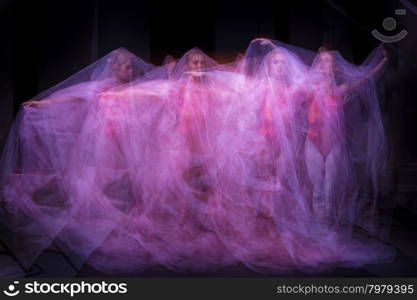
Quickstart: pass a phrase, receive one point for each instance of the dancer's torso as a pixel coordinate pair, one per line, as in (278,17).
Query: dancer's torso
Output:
(193,112)
(277,114)
(323,119)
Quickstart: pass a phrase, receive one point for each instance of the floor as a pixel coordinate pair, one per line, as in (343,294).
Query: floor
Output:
(403,237)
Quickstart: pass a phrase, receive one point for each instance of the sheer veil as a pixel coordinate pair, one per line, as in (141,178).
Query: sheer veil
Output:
(274,162)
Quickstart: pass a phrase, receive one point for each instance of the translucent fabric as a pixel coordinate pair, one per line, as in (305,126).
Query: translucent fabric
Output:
(167,132)
(273,162)
(345,126)
(38,204)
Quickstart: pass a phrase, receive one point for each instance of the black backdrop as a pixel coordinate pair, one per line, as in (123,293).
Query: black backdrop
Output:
(44,42)
(53,39)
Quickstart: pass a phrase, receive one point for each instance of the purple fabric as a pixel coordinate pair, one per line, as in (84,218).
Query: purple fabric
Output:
(274,163)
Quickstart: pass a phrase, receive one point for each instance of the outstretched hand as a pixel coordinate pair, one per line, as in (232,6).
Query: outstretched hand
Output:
(262,41)
(194,73)
(108,95)
(34,104)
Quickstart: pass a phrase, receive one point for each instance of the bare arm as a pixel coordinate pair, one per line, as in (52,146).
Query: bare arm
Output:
(49,101)
(347,87)
(263,41)
(133,92)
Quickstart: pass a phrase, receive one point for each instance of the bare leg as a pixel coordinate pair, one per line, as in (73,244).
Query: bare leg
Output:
(330,178)
(315,167)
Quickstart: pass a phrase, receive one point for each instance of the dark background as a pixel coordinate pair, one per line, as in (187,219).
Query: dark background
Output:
(44,42)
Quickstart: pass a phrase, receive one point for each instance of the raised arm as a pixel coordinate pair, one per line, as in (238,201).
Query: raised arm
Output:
(347,87)
(262,41)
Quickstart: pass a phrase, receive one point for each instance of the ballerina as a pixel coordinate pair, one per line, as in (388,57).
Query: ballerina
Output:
(42,151)
(326,156)
(167,131)
(201,168)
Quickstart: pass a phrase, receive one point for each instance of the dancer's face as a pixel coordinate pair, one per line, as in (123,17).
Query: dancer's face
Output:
(278,63)
(195,62)
(326,63)
(123,68)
